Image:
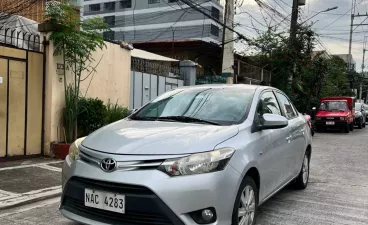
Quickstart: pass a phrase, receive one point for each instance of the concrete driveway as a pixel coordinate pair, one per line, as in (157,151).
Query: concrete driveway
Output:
(338,188)
(337,193)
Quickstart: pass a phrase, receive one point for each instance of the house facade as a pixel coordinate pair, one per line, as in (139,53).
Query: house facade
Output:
(156,20)
(347,58)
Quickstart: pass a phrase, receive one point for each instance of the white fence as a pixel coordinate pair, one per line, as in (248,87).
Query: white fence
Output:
(145,87)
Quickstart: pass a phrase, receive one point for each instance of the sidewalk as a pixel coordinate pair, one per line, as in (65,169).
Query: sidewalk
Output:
(30,180)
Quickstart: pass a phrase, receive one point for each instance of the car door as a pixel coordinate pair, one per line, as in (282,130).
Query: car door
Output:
(297,128)
(273,145)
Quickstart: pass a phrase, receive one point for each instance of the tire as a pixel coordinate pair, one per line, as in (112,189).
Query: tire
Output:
(360,125)
(347,128)
(364,123)
(301,182)
(351,126)
(247,184)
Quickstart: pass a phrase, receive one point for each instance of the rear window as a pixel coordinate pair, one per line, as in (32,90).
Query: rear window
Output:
(358,106)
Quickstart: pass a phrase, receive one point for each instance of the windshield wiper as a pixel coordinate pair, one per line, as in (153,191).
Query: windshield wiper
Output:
(186,119)
(143,118)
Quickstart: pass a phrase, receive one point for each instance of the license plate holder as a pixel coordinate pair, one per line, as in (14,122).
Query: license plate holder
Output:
(104,200)
(330,123)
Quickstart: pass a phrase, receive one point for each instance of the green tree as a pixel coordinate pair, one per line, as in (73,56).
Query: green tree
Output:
(316,75)
(75,40)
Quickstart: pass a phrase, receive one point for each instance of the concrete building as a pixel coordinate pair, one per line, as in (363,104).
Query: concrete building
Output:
(157,20)
(346,58)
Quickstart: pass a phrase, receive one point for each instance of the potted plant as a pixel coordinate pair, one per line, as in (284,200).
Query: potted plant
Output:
(75,40)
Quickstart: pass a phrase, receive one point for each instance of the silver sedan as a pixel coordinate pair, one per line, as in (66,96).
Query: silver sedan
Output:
(195,155)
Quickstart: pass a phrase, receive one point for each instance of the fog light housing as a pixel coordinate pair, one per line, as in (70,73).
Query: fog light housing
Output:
(204,216)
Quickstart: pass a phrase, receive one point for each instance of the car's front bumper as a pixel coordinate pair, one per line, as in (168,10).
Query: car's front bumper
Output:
(167,199)
(358,120)
(337,124)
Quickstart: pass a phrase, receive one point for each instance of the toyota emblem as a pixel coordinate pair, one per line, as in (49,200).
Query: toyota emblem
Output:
(108,165)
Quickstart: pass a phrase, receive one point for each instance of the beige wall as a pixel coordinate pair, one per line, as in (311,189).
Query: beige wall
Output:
(112,77)
(111,80)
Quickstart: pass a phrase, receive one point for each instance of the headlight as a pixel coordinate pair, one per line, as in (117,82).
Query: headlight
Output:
(206,162)
(74,149)
(342,118)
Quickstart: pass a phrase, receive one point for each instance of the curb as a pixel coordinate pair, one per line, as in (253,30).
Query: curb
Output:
(29,200)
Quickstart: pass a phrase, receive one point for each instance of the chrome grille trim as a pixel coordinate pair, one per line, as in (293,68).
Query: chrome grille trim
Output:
(123,165)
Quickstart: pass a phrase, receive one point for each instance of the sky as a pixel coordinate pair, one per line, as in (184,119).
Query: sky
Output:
(332,27)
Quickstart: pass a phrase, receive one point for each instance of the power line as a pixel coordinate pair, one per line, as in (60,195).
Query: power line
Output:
(241,36)
(343,14)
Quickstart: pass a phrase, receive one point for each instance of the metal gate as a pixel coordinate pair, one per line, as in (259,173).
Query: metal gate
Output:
(144,87)
(21,101)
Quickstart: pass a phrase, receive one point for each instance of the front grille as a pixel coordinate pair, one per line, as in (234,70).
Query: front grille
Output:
(330,118)
(112,187)
(143,207)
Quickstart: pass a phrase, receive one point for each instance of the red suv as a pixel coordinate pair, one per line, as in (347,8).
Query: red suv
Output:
(336,113)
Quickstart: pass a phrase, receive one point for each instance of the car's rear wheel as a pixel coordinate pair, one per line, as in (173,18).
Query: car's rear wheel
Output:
(301,182)
(246,203)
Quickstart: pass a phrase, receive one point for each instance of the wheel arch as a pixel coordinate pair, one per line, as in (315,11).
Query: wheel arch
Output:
(308,151)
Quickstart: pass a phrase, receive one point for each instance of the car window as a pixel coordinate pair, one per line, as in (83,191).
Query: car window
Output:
(268,104)
(286,106)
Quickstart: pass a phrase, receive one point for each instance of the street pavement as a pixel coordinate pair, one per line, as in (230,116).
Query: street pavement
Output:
(24,181)
(337,192)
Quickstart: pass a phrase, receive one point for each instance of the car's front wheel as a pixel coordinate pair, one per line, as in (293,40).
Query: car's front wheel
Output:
(246,203)
(301,182)
(360,125)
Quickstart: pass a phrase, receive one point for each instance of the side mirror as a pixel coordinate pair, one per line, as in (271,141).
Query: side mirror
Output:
(272,121)
(131,111)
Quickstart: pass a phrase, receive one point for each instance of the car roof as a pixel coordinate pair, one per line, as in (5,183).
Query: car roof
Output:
(228,86)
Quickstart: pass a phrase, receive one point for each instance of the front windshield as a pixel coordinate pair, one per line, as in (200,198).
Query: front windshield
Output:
(224,106)
(333,106)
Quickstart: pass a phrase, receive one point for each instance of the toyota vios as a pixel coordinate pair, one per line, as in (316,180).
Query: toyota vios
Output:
(194,155)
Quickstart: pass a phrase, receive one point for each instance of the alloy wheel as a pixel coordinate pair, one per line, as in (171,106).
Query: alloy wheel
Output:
(305,169)
(247,206)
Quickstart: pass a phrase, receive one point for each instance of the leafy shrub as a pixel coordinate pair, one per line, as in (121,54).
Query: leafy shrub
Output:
(70,113)
(115,112)
(92,117)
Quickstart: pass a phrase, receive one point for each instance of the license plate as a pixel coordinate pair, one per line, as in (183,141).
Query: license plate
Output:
(104,200)
(330,123)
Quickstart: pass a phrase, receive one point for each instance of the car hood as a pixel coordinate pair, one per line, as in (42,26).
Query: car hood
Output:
(331,114)
(157,137)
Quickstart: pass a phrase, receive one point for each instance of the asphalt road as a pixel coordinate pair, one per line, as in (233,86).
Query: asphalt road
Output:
(337,192)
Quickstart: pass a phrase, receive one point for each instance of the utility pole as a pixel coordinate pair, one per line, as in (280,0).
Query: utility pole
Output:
(363,75)
(227,45)
(351,33)
(293,28)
